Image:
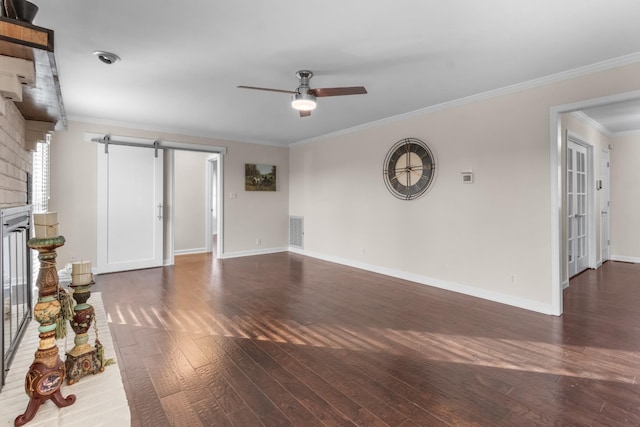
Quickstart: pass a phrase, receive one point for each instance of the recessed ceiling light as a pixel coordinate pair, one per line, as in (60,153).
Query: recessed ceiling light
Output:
(106,57)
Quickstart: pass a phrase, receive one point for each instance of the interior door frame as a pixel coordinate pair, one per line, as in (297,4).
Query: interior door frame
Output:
(606,225)
(556,171)
(169,202)
(217,152)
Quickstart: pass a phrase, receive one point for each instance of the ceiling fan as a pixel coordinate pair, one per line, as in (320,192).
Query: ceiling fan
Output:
(304,98)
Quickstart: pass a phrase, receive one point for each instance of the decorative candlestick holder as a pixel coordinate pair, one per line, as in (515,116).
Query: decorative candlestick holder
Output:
(47,372)
(82,359)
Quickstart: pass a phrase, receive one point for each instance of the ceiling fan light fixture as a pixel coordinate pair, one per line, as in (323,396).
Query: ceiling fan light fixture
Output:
(303,102)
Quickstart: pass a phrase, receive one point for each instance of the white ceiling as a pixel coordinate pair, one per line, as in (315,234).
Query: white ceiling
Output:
(616,118)
(181,61)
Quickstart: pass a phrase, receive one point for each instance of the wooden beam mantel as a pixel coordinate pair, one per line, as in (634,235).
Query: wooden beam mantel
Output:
(42,101)
(25,34)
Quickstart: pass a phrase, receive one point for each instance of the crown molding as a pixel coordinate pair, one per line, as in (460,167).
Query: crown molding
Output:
(169,130)
(625,134)
(592,123)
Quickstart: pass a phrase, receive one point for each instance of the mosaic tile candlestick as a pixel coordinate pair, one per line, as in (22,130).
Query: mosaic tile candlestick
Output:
(82,359)
(47,372)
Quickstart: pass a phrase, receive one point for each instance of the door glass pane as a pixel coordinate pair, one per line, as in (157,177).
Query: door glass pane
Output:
(570,159)
(570,182)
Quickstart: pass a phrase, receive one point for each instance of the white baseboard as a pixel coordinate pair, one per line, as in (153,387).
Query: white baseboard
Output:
(251,253)
(190,251)
(437,283)
(622,258)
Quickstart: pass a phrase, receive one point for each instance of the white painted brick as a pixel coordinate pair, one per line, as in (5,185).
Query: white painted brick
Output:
(15,161)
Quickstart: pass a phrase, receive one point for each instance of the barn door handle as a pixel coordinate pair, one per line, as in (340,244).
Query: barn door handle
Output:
(159,211)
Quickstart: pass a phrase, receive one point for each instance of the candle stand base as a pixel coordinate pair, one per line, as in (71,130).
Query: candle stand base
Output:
(81,365)
(43,383)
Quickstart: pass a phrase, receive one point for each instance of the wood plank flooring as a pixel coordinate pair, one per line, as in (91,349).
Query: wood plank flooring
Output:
(286,340)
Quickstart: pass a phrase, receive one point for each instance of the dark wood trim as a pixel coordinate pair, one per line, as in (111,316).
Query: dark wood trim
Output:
(25,34)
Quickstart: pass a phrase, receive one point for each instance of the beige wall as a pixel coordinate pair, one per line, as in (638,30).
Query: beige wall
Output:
(74,184)
(255,215)
(491,238)
(15,160)
(625,198)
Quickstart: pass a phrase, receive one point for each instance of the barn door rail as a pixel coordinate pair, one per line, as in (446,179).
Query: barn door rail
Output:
(106,140)
(156,144)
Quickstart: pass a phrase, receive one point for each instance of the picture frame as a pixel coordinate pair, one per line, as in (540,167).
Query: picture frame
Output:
(260,177)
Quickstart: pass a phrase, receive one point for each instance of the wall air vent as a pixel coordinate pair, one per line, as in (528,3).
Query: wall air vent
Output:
(296,231)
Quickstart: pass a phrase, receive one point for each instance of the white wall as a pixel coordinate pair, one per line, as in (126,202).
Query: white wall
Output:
(625,198)
(74,185)
(190,188)
(491,238)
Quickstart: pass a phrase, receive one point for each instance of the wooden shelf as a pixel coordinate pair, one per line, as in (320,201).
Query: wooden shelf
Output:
(43,100)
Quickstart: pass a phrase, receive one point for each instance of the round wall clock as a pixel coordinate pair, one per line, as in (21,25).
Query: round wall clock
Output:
(409,169)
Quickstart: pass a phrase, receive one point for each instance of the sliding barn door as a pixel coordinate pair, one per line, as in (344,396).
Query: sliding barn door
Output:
(130,208)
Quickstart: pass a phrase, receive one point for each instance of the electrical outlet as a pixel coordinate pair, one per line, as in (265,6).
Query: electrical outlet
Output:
(258,241)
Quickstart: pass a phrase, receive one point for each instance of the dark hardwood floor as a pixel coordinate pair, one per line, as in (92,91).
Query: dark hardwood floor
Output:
(283,339)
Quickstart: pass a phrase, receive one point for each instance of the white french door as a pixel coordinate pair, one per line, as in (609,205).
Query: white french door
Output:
(577,208)
(605,244)
(130,208)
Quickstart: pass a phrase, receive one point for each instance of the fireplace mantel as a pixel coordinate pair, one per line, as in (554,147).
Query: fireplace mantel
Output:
(42,101)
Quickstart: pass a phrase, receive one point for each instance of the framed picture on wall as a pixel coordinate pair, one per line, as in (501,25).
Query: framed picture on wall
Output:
(259,177)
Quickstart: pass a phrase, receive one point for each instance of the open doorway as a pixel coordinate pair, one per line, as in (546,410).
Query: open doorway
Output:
(214,200)
(197,202)
(599,229)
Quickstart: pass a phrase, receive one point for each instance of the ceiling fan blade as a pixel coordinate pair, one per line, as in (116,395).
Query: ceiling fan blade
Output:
(267,89)
(305,113)
(338,91)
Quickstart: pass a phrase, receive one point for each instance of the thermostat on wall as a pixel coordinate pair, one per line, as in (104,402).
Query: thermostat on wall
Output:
(467,176)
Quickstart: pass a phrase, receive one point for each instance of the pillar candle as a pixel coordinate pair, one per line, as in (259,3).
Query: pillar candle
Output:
(45,225)
(47,218)
(81,273)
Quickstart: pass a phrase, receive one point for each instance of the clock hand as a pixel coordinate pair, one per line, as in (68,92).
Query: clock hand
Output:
(422,167)
(408,155)
(408,176)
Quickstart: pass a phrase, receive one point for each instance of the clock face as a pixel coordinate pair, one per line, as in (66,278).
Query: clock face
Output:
(409,169)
